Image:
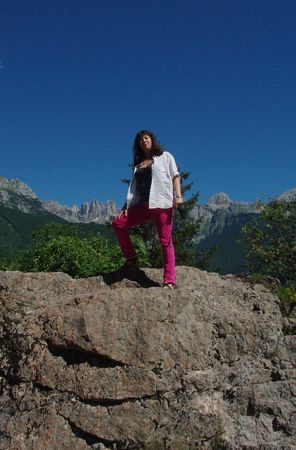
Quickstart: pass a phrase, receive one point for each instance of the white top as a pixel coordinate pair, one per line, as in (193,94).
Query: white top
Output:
(164,169)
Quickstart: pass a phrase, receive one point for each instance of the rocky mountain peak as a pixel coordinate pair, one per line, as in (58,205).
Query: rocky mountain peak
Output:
(96,211)
(57,206)
(63,211)
(220,211)
(93,211)
(16,194)
(18,187)
(219,200)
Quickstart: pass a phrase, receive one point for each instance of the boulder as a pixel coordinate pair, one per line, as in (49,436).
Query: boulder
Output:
(117,362)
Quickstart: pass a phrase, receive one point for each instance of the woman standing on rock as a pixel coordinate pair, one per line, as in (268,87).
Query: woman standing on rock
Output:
(152,194)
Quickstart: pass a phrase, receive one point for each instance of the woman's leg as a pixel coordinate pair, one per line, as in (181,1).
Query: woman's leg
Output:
(163,219)
(136,215)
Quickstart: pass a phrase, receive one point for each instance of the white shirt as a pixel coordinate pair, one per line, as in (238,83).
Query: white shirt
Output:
(164,169)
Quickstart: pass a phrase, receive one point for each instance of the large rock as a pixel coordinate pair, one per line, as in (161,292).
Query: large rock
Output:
(120,363)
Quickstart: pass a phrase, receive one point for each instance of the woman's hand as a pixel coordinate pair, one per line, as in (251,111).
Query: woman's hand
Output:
(178,201)
(124,212)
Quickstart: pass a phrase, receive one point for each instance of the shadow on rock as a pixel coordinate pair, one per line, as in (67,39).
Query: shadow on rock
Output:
(129,277)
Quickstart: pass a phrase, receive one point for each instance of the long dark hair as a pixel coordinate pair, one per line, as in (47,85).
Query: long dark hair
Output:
(139,154)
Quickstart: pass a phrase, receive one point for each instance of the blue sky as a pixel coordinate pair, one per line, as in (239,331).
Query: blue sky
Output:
(215,80)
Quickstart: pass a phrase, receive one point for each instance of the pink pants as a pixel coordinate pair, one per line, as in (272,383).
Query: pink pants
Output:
(163,219)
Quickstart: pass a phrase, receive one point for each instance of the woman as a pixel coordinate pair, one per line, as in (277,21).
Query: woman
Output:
(152,194)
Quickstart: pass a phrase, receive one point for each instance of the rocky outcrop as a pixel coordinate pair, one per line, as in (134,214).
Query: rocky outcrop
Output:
(117,362)
(94,211)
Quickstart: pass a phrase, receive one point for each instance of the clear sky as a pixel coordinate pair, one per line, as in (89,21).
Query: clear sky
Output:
(215,80)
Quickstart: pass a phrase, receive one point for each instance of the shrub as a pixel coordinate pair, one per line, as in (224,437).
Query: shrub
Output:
(271,241)
(61,248)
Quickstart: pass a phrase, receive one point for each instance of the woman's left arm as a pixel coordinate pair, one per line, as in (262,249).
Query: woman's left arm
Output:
(177,190)
(175,176)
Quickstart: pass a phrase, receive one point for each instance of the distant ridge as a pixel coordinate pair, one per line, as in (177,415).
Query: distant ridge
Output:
(215,213)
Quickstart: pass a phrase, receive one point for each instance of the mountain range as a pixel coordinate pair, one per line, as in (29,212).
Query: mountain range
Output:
(221,220)
(219,212)
(16,194)
(22,212)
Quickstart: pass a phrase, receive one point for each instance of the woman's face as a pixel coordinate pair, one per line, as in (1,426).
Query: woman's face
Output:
(146,143)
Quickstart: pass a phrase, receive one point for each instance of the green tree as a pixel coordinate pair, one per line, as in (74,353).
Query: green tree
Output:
(271,241)
(186,228)
(7,264)
(62,247)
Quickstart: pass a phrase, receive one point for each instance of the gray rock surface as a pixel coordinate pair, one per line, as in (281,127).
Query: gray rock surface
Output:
(120,363)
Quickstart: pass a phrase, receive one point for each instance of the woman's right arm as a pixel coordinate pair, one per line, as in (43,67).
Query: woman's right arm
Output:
(123,209)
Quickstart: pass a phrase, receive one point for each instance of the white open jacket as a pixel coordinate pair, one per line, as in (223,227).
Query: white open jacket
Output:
(164,170)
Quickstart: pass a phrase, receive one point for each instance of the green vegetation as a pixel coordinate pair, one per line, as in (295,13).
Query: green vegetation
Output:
(271,248)
(65,248)
(287,296)
(271,241)
(16,228)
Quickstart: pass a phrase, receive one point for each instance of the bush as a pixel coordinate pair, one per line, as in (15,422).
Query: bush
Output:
(62,248)
(271,241)
(287,296)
